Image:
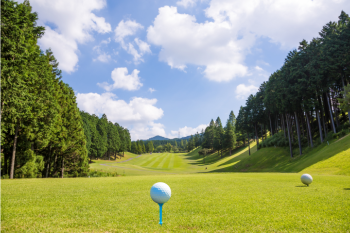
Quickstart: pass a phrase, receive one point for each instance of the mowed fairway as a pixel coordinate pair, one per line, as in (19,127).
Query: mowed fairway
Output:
(147,164)
(225,202)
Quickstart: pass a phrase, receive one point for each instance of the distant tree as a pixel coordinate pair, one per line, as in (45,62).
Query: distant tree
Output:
(230,139)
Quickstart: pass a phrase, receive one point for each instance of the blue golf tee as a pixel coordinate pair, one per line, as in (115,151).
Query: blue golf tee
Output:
(160,213)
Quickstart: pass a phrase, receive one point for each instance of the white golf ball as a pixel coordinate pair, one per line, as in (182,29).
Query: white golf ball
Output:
(160,192)
(306,179)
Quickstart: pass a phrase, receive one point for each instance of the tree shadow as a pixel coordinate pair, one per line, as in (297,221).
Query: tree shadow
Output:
(278,159)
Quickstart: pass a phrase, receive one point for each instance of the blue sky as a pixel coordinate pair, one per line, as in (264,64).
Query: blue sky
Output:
(168,67)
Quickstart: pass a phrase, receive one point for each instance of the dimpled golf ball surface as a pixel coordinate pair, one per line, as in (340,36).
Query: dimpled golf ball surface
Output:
(306,179)
(160,192)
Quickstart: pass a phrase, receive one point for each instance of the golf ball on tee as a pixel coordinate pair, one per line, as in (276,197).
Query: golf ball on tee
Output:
(306,179)
(160,192)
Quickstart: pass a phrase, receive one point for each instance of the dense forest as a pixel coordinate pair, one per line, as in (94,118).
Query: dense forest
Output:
(103,138)
(43,133)
(173,145)
(303,103)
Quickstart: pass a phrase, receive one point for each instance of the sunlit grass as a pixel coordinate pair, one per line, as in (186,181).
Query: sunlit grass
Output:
(226,202)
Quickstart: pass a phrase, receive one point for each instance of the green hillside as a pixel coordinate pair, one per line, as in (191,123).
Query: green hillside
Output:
(332,159)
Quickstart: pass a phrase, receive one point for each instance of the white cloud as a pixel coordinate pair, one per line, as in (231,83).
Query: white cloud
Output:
(243,91)
(123,80)
(186,3)
(187,131)
(151,90)
(142,131)
(222,43)
(138,115)
(258,68)
(65,50)
(74,23)
(104,57)
(285,22)
(143,46)
(126,28)
(210,44)
(129,28)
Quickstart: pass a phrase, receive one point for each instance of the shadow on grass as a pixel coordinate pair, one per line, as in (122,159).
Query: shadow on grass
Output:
(278,159)
(346,188)
(301,186)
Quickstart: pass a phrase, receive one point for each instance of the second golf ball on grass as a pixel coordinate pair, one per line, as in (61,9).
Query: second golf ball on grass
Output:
(306,179)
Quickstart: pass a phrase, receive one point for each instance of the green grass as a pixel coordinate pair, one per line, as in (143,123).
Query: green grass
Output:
(333,159)
(226,202)
(218,195)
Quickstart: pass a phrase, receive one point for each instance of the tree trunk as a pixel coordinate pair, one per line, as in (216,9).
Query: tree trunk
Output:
(342,79)
(289,139)
(306,128)
(309,127)
(298,132)
(248,143)
(48,163)
(262,135)
(276,124)
(319,125)
(55,166)
(62,171)
(335,109)
(5,171)
(284,126)
(257,138)
(322,116)
(331,114)
(12,171)
(271,130)
(230,152)
(291,123)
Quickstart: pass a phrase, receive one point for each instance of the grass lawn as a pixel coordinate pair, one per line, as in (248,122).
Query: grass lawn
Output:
(218,194)
(224,202)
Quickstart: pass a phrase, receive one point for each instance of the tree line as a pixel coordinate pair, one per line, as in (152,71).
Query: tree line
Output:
(304,102)
(219,138)
(41,128)
(43,133)
(103,138)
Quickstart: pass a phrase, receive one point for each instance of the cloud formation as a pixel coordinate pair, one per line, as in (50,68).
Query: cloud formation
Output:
(210,44)
(187,131)
(123,80)
(243,91)
(138,115)
(129,28)
(186,3)
(74,22)
(222,43)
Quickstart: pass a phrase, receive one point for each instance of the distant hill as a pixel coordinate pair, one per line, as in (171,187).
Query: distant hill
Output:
(157,138)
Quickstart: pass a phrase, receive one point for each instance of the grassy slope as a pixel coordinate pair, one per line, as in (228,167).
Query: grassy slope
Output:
(333,160)
(231,202)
